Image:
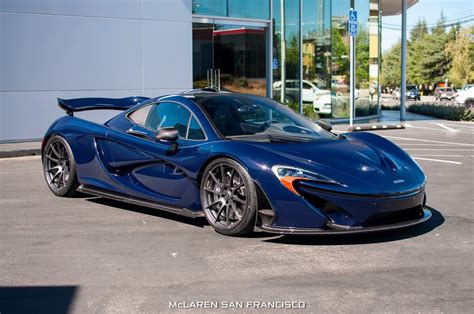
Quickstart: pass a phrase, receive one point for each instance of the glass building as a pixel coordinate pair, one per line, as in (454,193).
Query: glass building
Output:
(253,46)
(296,51)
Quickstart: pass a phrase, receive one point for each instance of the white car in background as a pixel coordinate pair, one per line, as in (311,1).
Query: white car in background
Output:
(465,97)
(310,90)
(322,104)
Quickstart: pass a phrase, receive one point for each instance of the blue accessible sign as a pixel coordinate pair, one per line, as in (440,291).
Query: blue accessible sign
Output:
(352,24)
(275,64)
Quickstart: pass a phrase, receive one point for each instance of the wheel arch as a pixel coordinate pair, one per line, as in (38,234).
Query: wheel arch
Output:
(263,202)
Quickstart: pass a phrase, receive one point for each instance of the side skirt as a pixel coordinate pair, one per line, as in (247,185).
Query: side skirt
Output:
(140,202)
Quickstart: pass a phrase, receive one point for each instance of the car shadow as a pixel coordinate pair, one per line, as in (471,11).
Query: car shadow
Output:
(435,221)
(197,222)
(37,299)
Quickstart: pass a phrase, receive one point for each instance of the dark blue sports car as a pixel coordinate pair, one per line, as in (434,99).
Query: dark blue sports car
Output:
(244,162)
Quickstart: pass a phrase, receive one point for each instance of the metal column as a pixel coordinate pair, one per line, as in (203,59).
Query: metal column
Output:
(301,56)
(403,83)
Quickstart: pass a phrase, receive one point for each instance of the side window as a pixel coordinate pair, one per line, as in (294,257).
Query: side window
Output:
(165,115)
(195,132)
(139,116)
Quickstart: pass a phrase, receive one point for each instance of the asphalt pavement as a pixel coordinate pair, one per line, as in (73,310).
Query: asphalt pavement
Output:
(87,254)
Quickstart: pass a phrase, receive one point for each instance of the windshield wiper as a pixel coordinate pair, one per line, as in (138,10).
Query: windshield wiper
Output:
(275,138)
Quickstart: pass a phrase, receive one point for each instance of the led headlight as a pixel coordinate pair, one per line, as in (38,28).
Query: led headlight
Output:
(287,175)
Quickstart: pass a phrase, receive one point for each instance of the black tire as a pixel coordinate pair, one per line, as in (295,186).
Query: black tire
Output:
(59,167)
(469,104)
(229,197)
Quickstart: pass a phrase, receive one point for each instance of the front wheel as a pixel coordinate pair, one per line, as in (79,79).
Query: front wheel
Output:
(59,167)
(228,197)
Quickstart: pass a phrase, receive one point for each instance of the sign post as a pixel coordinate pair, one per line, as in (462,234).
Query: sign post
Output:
(352,30)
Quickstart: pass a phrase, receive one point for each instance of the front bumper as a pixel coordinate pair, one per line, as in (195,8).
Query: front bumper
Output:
(337,229)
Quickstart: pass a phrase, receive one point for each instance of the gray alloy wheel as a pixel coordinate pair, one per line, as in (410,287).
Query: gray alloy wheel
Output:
(59,167)
(228,197)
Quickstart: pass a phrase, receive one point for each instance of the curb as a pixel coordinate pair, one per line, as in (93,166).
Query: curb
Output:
(376,127)
(20,153)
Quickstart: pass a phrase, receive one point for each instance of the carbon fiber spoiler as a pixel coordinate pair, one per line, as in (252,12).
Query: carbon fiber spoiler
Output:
(84,104)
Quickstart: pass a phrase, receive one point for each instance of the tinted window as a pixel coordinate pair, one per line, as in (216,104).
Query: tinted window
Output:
(252,115)
(307,86)
(195,132)
(139,116)
(165,115)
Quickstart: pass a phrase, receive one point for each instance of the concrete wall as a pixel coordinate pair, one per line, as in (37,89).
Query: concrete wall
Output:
(87,48)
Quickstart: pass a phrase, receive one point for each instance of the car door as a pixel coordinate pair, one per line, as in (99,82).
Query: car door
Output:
(151,169)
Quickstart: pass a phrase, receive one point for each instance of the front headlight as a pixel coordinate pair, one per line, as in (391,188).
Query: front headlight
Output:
(288,175)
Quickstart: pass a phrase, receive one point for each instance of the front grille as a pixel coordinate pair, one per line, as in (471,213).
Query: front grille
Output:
(377,219)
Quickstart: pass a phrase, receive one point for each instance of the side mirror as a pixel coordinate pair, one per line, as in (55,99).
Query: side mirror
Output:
(167,134)
(326,125)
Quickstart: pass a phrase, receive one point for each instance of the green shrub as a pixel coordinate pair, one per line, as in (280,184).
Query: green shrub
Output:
(448,112)
(308,110)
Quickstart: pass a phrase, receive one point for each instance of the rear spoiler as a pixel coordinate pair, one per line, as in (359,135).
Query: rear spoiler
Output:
(83,104)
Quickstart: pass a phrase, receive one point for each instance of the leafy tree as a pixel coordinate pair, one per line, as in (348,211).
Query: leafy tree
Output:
(340,52)
(461,53)
(390,74)
(419,31)
(440,27)
(362,58)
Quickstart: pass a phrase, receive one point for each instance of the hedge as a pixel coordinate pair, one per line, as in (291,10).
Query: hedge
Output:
(448,112)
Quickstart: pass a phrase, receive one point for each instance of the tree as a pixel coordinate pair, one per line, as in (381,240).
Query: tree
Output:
(440,27)
(461,53)
(390,74)
(362,58)
(419,31)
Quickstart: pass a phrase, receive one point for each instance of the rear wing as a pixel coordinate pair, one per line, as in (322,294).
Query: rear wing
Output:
(83,104)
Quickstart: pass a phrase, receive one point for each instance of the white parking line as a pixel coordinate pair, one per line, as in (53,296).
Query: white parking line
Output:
(440,156)
(436,129)
(439,160)
(471,127)
(427,141)
(446,127)
(437,149)
(423,144)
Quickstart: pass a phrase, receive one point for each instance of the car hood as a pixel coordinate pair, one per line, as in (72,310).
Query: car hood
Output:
(360,166)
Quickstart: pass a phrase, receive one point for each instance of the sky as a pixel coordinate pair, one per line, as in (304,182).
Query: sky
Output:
(430,10)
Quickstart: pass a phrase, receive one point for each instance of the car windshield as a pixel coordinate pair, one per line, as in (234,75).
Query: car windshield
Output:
(247,116)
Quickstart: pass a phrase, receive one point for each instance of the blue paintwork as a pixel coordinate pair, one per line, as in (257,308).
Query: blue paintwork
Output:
(82,104)
(366,165)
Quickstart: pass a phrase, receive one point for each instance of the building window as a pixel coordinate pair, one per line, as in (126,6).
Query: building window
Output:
(251,9)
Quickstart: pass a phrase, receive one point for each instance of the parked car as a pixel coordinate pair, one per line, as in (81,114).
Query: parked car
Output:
(467,86)
(465,97)
(322,104)
(396,93)
(413,92)
(441,93)
(241,161)
(310,90)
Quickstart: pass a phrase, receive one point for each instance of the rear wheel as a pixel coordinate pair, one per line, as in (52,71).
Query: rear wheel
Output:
(59,167)
(229,197)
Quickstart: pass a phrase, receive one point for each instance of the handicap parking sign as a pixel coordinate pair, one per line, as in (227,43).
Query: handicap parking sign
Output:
(352,24)
(275,64)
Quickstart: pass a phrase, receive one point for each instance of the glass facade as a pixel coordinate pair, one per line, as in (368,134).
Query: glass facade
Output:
(310,53)
(250,9)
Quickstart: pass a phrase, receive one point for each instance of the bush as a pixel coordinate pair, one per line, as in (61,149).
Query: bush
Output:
(448,112)
(308,110)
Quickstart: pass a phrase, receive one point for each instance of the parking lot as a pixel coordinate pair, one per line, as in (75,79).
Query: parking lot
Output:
(93,255)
